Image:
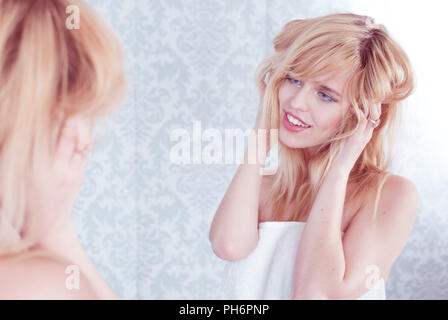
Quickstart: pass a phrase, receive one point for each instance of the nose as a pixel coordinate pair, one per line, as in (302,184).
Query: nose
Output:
(299,100)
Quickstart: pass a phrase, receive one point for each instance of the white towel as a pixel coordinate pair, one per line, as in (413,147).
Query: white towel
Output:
(267,272)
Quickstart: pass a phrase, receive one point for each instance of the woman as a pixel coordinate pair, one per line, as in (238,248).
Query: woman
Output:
(55,81)
(319,228)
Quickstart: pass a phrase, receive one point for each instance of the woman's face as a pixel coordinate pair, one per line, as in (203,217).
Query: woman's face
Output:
(309,101)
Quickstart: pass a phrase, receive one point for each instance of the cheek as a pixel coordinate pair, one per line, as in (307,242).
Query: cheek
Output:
(284,93)
(327,122)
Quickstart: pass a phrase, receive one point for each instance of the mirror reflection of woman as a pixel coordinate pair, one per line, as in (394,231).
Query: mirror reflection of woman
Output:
(332,220)
(55,82)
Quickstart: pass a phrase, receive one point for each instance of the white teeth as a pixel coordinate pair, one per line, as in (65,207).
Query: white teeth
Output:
(295,121)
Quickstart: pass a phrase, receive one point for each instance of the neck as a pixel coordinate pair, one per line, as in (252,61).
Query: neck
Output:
(310,151)
(63,240)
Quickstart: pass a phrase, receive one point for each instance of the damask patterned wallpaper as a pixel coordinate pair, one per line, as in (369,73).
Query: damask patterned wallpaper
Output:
(143,220)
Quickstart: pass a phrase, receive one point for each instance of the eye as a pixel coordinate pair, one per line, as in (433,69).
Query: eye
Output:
(294,81)
(325,97)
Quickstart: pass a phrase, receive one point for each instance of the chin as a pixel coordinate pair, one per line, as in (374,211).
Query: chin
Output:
(289,140)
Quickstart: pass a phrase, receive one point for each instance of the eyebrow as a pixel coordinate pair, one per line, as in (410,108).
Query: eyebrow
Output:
(328,89)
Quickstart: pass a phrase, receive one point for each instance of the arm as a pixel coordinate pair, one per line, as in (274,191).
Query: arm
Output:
(336,268)
(320,263)
(234,229)
(328,267)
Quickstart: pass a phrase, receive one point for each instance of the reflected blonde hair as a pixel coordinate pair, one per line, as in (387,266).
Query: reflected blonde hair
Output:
(48,73)
(379,71)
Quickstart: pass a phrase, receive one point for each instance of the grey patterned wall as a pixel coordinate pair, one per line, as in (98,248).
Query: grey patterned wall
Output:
(144,221)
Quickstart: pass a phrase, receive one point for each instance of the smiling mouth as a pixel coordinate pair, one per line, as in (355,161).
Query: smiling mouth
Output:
(295,122)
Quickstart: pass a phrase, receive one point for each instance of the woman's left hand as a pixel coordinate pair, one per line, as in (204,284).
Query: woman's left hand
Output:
(352,147)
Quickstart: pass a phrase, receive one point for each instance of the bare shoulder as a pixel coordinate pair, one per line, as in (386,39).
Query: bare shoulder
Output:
(398,205)
(395,193)
(43,278)
(399,196)
(379,240)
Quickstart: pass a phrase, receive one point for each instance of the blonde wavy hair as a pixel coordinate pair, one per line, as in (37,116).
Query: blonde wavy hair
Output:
(380,72)
(48,73)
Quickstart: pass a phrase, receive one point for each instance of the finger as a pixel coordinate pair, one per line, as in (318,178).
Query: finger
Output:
(364,119)
(362,126)
(375,111)
(368,127)
(375,115)
(378,110)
